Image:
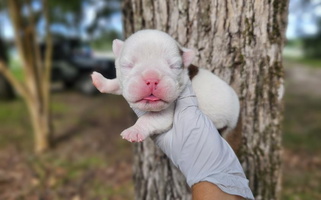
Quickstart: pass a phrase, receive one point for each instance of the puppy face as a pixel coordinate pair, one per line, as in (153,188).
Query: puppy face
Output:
(151,68)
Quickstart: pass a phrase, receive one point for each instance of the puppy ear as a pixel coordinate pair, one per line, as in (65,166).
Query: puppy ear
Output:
(117,46)
(188,56)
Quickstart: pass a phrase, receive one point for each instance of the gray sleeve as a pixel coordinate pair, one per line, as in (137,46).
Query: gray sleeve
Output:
(196,148)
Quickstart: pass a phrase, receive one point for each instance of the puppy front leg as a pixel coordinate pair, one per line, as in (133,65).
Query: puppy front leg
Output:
(105,85)
(149,124)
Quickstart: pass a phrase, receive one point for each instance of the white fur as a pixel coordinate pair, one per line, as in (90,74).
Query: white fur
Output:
(152,54)
(216,99)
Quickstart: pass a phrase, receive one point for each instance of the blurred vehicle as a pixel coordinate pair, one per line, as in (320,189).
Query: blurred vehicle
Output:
(72,64)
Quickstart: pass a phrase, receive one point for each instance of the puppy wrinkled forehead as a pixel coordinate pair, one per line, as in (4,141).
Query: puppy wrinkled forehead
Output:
(151,43)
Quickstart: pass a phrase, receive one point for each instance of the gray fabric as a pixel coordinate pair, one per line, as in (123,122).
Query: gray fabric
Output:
(196,148)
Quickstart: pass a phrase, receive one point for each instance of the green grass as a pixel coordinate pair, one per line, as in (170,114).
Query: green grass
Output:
(15,114)
(297,43)
(301,140)
(86,164)
(14,117)
(16,68)
(55,171)
(102,45)
(302,125)
(11,111)
(100,190)
(302,185)
(309,62)
(59,107)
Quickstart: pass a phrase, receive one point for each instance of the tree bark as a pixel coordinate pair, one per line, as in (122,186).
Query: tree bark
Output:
(240,41)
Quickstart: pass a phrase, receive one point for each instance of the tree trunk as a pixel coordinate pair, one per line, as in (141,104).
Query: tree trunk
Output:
(36,88)
(155,176)
(240,41)
(41,126)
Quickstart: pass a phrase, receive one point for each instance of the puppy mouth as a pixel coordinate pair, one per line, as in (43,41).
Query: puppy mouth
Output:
(151,99)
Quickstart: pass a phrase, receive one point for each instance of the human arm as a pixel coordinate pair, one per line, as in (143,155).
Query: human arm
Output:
(209,164)
(208,191)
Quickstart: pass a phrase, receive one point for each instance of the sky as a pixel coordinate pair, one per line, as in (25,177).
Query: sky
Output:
(114,23)
(302,20)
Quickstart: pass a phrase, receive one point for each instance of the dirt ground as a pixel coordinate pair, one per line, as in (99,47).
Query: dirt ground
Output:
(90,161)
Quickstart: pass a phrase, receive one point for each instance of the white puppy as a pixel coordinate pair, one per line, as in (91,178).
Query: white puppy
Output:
(152,70)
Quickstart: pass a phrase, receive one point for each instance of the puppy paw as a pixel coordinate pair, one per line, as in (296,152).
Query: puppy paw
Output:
(98,81)
(133,135)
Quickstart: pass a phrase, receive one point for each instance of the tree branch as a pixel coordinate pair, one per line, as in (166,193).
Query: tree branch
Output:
(15,16)
(48,55)
(21,41)
(14,81)
(36,58)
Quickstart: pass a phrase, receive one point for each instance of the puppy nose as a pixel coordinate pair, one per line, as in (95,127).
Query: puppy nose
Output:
(152,83)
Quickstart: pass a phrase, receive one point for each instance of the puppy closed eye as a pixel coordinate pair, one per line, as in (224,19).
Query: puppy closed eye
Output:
(127,65)
(176,65)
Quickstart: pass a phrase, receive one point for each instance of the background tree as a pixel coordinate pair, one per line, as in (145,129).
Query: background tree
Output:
(240,41)
(6,91)
(27,18)
(307,27)
(72,17)
(312,44)
(35,89)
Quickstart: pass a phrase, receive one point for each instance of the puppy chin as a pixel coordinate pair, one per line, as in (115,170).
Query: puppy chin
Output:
(150,106)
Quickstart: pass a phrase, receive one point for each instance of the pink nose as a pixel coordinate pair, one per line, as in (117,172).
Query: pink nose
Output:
(152,83)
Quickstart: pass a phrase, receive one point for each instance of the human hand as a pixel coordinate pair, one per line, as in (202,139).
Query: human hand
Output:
(194,145)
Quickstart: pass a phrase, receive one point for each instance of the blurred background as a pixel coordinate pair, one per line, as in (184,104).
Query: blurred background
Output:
(88,160)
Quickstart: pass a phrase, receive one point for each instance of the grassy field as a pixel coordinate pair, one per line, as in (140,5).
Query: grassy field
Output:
(302,150)
(302,132)
(308,62)
(90,161)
